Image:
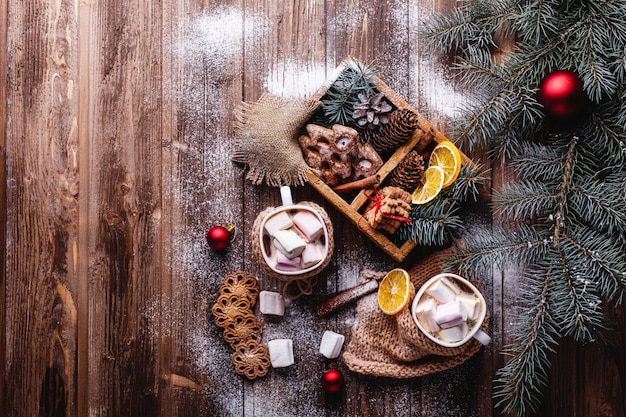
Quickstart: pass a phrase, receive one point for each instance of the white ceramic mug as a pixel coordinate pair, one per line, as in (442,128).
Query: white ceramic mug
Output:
(289,207)
(474,331)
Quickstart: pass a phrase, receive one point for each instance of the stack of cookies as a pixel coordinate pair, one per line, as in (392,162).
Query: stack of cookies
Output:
(233,312)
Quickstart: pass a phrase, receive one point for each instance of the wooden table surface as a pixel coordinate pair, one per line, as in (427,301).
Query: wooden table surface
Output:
(116,135)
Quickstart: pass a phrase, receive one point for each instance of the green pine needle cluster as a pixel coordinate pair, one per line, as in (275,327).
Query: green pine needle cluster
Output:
(338,101)
(564,216)
(435,223)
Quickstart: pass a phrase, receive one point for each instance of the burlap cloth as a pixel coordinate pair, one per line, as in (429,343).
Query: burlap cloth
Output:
(267,139)
(295,285)
(393,346)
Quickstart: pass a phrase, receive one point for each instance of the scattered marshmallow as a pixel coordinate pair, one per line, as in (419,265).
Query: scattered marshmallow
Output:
(281,352)
(331,344)
(271,303)
(471,304)
(452,284)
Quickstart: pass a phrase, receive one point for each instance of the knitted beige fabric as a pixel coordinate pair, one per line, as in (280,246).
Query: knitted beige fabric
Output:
(267,139)
(295,285)
(393,346)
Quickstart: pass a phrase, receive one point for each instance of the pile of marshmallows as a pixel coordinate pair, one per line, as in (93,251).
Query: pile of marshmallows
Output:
(281,350)
(295,240)
(445,310)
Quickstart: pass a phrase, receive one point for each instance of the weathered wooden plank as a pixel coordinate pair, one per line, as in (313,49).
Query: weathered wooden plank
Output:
(124,198)
(3,191)
(41,218)
(205,188)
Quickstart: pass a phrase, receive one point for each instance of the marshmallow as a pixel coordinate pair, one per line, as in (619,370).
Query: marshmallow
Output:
(271,303)
(452,284)
(331,344)
(425,312)
(308,225)
(311,255)
(281,352)
(440,292)
(471,304)
(454,333)
(283,263)
(278,221)
(450,314)
(289,243)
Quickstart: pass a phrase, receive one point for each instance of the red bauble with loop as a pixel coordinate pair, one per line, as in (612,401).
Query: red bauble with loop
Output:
(332,381)
(562,94)
(218,237)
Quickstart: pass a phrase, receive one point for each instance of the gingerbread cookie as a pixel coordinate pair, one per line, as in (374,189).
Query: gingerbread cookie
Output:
(388,208)
(337,154)
(241,285)
(251,359)
(228,307)
(241,330)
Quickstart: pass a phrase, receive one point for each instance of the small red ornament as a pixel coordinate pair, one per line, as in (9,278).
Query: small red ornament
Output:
(332,381)
(562,94)
(218,237)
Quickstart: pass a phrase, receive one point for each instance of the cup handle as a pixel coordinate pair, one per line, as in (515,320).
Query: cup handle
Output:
(285,195)
(482,337)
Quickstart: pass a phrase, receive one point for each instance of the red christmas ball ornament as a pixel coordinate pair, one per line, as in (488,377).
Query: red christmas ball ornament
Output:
(218,237)
(332,381)
(562,94)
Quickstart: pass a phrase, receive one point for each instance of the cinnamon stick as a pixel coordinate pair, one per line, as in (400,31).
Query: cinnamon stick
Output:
(358,184)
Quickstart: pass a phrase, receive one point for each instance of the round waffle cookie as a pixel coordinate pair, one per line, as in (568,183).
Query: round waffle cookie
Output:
(228,307)
(241,285)
(251,359)
(242,328)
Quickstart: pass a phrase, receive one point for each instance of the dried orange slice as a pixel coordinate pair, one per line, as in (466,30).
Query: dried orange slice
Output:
(394,291)
(447,156)
(432,183)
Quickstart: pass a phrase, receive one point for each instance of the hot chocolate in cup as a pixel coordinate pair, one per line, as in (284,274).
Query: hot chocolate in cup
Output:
(293,237)
(449,310)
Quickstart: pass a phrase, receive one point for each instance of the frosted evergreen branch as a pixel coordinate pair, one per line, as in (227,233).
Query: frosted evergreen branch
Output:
(526,199)
(565,186)
(465,187)
(520,383)
(515,245)
(431,224)
(577,302)
(599,257)
(339,99)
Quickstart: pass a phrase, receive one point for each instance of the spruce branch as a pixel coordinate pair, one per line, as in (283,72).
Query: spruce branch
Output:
(564,214)
(521,382)
(339,100)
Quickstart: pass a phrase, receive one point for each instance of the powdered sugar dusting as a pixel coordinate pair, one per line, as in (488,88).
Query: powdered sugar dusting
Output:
(294,79)
(437,89)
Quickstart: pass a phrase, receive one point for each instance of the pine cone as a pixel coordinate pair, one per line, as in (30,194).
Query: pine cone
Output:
(401,126)
(408,172)
(371,111)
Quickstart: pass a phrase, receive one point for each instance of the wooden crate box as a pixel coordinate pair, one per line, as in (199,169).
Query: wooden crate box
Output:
(353,207)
